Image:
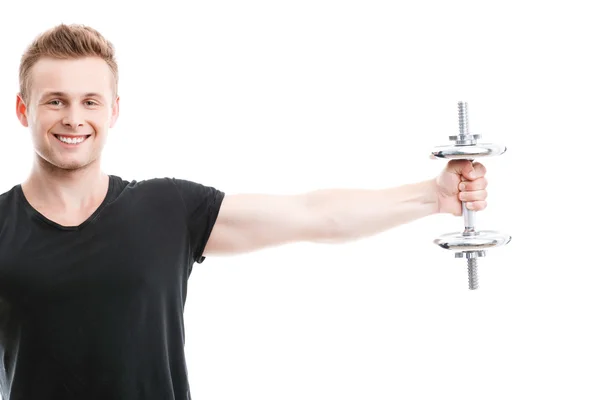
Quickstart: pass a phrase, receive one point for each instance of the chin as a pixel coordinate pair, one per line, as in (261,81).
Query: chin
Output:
(68,165)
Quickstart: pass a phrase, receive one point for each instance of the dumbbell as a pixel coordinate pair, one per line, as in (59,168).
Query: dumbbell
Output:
(471,243)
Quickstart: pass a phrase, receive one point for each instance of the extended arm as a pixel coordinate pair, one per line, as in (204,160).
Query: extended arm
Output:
(249,222)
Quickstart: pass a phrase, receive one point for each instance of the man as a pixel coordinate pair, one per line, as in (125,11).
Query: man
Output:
(94,269)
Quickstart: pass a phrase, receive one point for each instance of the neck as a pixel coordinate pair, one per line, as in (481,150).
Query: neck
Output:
(65,190)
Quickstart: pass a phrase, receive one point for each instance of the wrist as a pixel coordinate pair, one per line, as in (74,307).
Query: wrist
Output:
(432,194)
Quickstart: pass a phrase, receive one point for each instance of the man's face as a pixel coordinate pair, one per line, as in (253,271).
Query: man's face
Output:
(70,100)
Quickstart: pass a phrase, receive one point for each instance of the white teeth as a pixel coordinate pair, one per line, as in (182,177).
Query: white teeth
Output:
(71,140)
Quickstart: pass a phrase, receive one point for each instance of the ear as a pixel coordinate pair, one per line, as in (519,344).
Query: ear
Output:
(115,112)
(22,111)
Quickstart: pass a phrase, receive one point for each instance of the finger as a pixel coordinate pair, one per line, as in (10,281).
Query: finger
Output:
(478,171)
(476,195)
(460,167)
(477,205)
(469,170)
(477,184)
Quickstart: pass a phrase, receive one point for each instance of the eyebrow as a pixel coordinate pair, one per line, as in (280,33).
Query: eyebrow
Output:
(63,94)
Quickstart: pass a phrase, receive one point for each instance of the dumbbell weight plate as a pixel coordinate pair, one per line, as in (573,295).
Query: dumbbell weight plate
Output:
(481,240)
(455,152)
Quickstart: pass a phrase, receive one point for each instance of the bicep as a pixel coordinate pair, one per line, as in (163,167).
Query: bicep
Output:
(249,222)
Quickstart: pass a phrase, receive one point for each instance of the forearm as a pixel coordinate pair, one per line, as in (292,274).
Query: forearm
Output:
(351,214)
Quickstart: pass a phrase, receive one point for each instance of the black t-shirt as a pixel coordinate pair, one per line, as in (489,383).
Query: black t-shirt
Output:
(96,311)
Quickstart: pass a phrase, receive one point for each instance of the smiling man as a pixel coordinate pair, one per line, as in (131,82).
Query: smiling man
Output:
(94,268)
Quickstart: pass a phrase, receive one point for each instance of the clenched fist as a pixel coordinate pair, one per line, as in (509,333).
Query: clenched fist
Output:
(461,180)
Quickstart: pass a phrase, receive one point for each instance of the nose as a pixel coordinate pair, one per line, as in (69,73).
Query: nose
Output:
(73,118)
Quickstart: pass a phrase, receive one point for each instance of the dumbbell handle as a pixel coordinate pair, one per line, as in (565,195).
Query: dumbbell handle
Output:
(469,217)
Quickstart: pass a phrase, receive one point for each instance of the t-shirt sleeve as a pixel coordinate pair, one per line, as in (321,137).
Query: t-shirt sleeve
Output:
(202,204)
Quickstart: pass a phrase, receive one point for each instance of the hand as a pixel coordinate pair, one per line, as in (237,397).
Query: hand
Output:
(461,180)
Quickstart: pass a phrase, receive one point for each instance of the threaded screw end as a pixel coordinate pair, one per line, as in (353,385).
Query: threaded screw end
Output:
(473,280)
(463,118)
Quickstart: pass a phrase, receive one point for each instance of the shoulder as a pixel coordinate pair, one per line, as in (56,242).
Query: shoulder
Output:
(9,205)
(168,184)
(8,197)
(187,192)
(155,186)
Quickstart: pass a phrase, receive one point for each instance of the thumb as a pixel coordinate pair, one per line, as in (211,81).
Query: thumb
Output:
(465,168)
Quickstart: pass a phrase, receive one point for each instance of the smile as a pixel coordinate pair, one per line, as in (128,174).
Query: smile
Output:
(72,140)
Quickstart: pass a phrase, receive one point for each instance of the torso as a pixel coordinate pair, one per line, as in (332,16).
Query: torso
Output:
(95,311)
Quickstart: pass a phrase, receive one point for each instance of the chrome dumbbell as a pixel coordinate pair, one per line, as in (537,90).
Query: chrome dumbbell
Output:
(471,243)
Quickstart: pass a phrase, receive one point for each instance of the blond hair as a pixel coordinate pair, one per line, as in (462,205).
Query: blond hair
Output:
(66,42)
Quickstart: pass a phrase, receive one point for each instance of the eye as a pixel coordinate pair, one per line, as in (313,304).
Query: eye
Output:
(91,103)
(55,102)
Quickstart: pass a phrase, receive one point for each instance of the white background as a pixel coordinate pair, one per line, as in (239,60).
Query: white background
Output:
(290,96)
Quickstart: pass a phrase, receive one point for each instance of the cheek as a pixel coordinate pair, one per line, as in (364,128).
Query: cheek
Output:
(41,122)
(100,123)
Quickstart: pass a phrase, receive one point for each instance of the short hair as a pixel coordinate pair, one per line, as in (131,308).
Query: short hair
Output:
(66,42)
